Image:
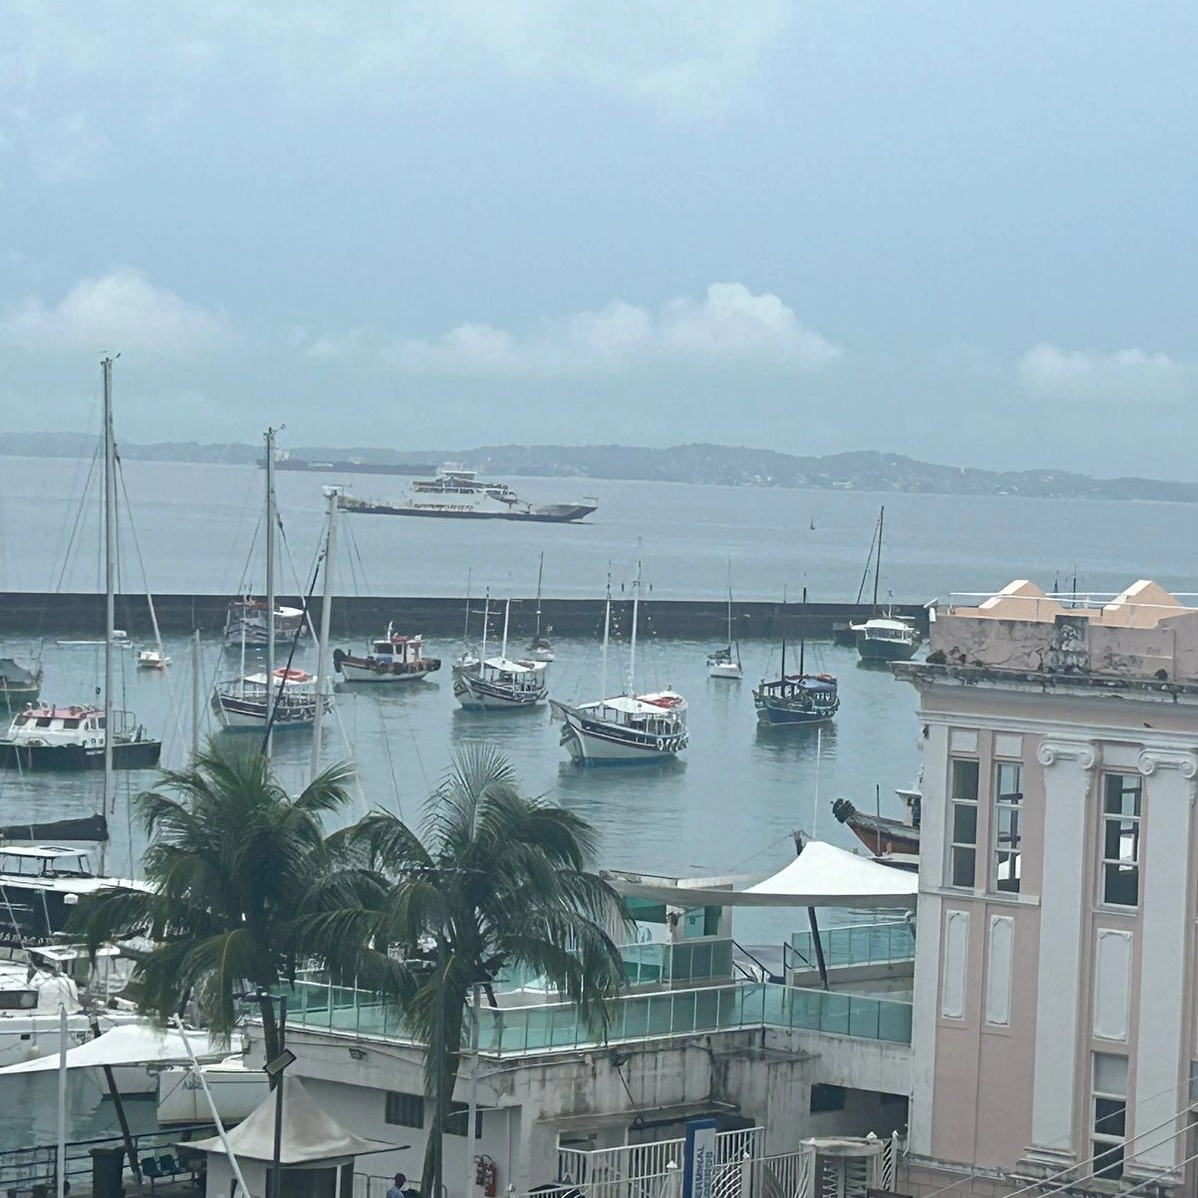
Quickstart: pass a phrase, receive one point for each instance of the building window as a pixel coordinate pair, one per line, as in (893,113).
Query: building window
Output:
(1109,1114)
(963,791)
(826,1098)
(458,1120)
(1008,803)
(1121,794)
(403,1110)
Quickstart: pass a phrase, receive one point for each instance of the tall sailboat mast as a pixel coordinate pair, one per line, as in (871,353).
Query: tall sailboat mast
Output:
(636,602)
(878,557)
(109,584)
(606,635)
(507,611)
(803,635)
(324,676)
(482,653)
(783,633)
(540,574)
(270,590)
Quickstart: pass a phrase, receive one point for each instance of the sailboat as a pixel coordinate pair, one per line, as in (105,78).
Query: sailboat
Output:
(626,728)
(884,637)
(275,699)
(725,662)
(539,648)
(499,683)
(86,736)
(800,698)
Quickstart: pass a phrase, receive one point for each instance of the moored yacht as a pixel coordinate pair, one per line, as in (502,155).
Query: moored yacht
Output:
(627,728)
(540,648)
(800,698)
(499,683)
(725,662)
(246,623)
(391,658)
(247,702)
(885,638)
(47,737)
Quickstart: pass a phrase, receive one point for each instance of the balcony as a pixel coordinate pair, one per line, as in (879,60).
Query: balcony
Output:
(555,1027)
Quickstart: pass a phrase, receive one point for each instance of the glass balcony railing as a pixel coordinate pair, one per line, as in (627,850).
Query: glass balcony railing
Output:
(858,944)
(511,1031)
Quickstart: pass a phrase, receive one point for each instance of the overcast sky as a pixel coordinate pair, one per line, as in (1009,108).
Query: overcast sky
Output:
(963,231)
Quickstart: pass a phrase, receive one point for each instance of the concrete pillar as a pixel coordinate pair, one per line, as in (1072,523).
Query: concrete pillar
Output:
(1162,1043)
(1068,780)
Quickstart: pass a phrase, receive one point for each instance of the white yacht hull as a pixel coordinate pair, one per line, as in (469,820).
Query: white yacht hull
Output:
(730,670)
(235,1091)
(357,674)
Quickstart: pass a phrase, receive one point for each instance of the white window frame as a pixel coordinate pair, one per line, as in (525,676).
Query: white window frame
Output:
(1103,1141)
(1114,866)
(956,846)
(1006,803)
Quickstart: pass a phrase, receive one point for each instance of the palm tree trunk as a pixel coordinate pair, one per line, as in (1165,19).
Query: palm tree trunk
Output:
(271,1034)
(449,1061)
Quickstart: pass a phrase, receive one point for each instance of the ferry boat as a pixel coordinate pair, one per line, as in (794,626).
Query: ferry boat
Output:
(457,493)
(627,728)
(392,658)
(46,737)
(246,623)
(246,702)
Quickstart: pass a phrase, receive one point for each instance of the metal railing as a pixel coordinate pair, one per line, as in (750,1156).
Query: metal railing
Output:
(546,1027)
(22,1169)
(859,944)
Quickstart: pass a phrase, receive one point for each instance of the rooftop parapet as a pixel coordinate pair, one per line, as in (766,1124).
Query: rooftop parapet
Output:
(1143,633)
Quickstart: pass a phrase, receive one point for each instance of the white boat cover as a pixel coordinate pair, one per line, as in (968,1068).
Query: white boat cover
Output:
(820,876)
(310,1133)
(130,1044)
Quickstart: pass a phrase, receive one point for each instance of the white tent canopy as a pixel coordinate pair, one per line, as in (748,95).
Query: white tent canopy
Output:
(130,1044)
(310,1133)
(820,876)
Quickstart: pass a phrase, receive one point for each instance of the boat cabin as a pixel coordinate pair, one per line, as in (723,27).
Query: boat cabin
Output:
(48,725)
(814,690)
(44,861)
(661,714)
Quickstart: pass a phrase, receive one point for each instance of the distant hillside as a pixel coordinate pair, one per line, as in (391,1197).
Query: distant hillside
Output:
(710,464)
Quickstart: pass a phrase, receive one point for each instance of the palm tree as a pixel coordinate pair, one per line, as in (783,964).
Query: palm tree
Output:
(496,880)
(231,860)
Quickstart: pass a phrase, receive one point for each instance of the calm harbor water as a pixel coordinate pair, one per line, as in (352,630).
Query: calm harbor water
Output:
(728,806)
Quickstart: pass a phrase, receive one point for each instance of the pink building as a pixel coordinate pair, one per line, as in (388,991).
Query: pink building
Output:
(1054,1012)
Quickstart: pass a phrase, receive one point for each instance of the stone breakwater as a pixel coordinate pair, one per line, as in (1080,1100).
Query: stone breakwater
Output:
(28,613)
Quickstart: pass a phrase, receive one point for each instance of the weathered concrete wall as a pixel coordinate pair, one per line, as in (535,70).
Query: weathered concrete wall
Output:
(594,1095)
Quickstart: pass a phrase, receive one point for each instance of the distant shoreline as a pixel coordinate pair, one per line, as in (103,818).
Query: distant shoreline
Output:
(866,471)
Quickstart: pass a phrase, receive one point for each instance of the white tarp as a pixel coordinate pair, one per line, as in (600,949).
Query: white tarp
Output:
(130,1044)
(310,1133)
(820,876)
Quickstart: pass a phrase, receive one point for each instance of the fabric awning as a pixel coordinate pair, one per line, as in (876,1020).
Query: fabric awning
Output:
(130,1044)
(820,876)
(310,1133)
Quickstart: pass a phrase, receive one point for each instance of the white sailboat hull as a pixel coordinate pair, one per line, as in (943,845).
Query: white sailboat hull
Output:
(235,1091)
(730,670)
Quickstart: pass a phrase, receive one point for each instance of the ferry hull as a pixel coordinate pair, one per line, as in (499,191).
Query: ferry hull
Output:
(553,514)
(132,755)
